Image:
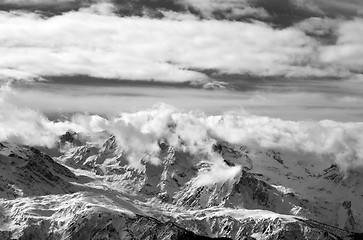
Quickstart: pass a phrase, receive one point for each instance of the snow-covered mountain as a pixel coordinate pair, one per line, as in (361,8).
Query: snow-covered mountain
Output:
(85,189)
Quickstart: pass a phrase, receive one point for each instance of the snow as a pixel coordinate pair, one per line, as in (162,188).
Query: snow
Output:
(296,185)
(58,209)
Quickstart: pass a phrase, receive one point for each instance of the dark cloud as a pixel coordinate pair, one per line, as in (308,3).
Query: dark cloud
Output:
(44,6)
(286,12)
(82,80)
(122,7)
(337,8)
(279,12)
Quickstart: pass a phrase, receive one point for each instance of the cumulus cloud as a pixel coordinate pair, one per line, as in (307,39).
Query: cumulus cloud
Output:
(196,133)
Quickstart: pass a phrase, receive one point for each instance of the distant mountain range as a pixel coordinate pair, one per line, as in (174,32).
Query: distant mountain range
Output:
(86,190)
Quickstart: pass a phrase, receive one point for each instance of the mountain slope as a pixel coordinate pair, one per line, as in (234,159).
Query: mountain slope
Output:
(26,171)
(96,194)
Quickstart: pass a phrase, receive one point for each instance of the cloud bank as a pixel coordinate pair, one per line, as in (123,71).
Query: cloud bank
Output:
(196,133)
(85,43)
(27,126)
(97,42)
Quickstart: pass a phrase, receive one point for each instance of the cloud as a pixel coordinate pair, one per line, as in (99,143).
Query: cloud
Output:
(335,8)
(291,11)
(219,172)
(179,46)
(11,75)
(292,99)
(95,41)
(230,9)
(319,26)
(27,126)
(207,9)
(282,12)
(73,44)
(47,7)
(37,2)
(347,53)
(194,132)
(91,42)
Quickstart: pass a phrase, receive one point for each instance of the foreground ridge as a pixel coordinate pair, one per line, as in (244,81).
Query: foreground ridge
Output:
(335,232)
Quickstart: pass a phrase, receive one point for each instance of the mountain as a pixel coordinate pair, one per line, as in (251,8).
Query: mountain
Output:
(89,190)
(25,171)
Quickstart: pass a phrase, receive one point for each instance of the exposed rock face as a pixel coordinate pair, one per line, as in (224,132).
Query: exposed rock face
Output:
(75,216)
(26,171)
(111,225)
(70,138)
(94,157)
(99,196)
(346,217)
(262,228)
(177,169)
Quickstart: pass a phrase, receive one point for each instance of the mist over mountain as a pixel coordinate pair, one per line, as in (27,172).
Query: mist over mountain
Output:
(178,175)
(181,119)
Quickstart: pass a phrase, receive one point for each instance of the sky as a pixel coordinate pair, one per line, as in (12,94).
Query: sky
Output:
(292,59)
(280,74)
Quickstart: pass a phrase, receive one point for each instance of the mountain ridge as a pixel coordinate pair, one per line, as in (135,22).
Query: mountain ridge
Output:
(246,206)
